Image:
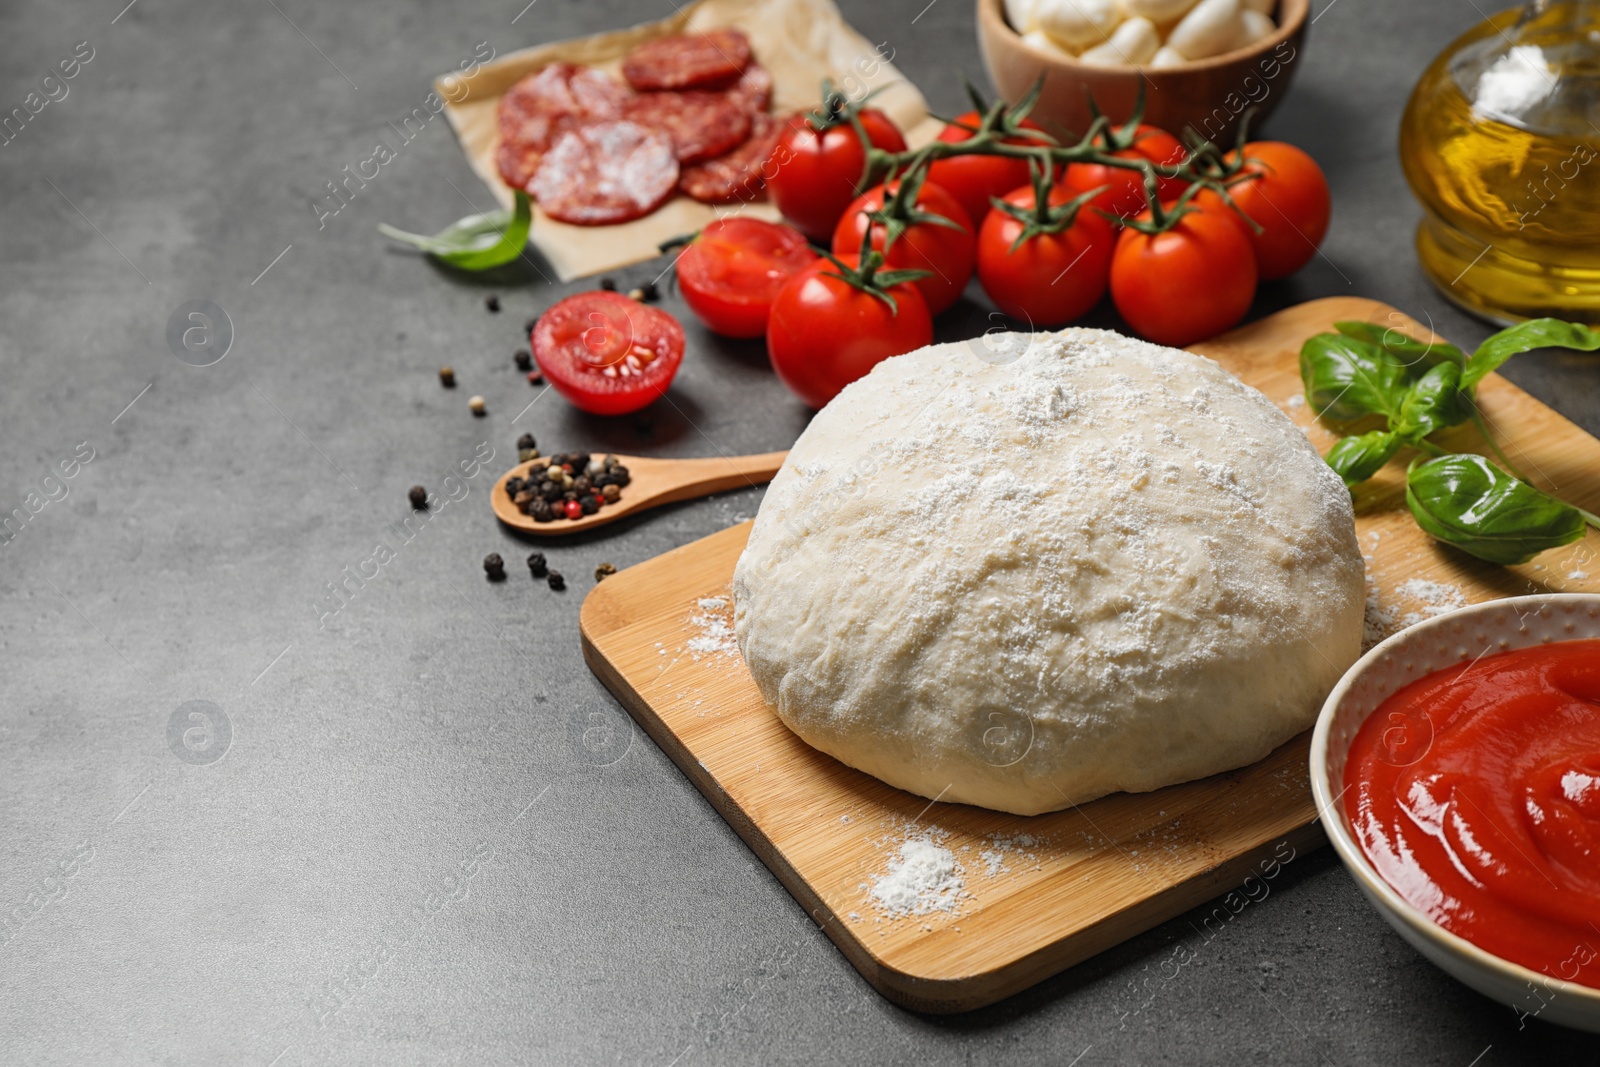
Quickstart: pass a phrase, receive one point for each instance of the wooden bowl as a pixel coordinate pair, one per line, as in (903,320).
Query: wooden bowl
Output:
(1208,94)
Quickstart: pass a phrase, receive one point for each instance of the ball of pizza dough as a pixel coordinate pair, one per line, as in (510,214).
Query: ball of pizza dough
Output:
(1028,571)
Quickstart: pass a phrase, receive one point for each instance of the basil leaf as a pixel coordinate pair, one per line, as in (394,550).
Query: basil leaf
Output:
(1346,378)
(1356,459)
(476,242)
(1417,355)
(1535,333)
(1466,501)
(1433,403)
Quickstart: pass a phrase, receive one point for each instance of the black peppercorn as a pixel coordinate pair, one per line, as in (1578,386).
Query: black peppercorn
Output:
(528,326)
(608,284)
(650,294)
(540,510)
(494,567)
(557,582)
(447,377)
(580,484)
(526,441)
(620,476)
(604,569)
(537,566)
(492,302)
(524,359)
(419,497)
(588,504)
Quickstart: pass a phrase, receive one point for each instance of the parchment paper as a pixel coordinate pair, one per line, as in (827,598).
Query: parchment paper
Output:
(799,41)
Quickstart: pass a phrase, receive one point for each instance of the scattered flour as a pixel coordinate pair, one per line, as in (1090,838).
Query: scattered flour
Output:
(1577,576)
(923,877)
(1436,597)
(714,621)
(1297,401)
(1378,622)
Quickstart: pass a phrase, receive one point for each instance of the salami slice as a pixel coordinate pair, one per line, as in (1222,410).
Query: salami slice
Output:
(709,60)
(701,124)
(606,172)
(754,88)
(537,110)
(737,175)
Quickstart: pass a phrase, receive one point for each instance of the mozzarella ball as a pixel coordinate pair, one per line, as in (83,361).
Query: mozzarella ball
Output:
(1078,24)
(1209,29)
(1131,44)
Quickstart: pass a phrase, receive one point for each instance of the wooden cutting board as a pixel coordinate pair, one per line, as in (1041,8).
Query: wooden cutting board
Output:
(1080,880)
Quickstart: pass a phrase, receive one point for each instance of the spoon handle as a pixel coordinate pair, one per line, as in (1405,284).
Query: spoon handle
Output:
(701,477)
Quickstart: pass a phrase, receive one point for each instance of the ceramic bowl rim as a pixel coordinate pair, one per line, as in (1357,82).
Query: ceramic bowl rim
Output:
(1335,825)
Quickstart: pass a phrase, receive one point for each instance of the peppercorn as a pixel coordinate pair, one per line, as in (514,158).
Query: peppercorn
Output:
(419,498)
(611,494)
(527,455)
(526,441)
(581,484)
(447,377)
(522,500)
(608,284)
(620,476)
(536,377)
(610,463)
(636,294)
(524,359)
(477,406)
(540,510)
(536,565)
(649,292)
(557,582)
(604,569)
(528,326)
(588,505)
(494,567)
(574,510)
(492,302)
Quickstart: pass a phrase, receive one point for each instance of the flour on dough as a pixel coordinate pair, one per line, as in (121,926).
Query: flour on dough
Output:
(1104,566)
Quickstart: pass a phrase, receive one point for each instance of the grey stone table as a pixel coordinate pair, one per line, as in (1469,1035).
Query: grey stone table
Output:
(432,836)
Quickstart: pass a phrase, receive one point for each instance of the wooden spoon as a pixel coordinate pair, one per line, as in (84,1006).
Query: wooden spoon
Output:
(651,482)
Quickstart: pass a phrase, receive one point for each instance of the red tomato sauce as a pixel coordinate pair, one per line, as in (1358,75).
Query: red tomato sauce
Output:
(1475,792)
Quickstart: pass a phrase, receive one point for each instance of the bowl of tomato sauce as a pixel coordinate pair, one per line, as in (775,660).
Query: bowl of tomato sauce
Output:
(1456,770)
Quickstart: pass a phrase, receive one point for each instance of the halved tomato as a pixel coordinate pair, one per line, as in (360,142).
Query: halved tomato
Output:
(732,271)
(607,354)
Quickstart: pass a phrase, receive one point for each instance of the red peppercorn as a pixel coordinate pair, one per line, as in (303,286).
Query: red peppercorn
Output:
(574,510)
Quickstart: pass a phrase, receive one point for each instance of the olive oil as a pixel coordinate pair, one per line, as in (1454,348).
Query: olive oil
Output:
(1501,143)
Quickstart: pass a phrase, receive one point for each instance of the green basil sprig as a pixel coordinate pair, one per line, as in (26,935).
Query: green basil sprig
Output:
(1466,501)
(1418,389)
(477,242)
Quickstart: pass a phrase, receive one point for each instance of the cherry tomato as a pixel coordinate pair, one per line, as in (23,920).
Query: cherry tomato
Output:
(1287,197)
(730,274)
(973,180)
(825,333)
(812,176)
(945,251)
(607,354)
(1184,285)
(1125,195)
(1049,279)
